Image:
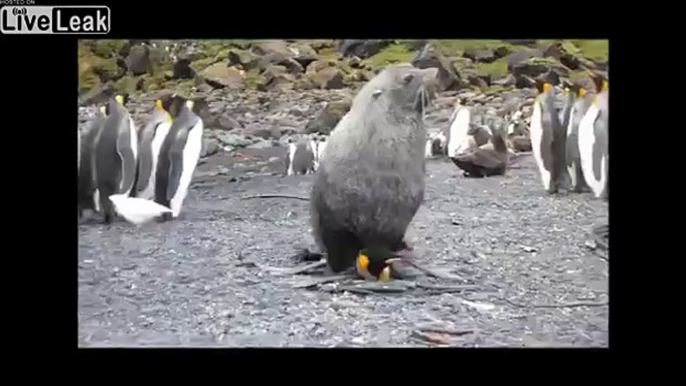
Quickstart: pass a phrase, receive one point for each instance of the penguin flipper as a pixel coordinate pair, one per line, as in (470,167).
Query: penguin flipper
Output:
(128,159)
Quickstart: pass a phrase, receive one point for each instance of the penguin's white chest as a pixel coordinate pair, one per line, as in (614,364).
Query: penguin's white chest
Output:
(160,134)
(586,141)
(191,156)
(459,140)
(536,132)
(291,156)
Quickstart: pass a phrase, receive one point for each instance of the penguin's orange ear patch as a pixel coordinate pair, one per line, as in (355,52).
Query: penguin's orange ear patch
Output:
(582,92)
(605,85)
(363,260)
(547,87)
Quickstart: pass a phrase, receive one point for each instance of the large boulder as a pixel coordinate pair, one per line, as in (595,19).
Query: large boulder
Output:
(325,75)
(219,75)
(361,48)
(138,61)
(429,57)
(327,119)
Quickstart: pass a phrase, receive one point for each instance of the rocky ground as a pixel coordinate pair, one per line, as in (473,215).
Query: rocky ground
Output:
(204,279)
(201,280)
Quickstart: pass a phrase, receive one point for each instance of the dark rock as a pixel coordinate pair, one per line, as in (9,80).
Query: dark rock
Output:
(428,57)
(259,131)
(523,81)
(361,48)
(304,54)
(246,59)
(480,56)
(278,47)
(551,77)
(327,119)
(560,52)
(181,69)
(509,80)
(277,59)
(99,95)
(521,42)
(140,84)
(221,121)
(521,143)
(533,67)
(521,56)
(328,78)
(278,77)
(138,60)
(501,52)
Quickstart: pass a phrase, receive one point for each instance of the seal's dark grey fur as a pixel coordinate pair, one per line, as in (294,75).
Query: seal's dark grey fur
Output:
(371,182)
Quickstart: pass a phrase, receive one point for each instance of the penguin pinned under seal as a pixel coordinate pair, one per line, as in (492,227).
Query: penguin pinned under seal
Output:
(116,156)
(593,143)
(548,140)
(87,198)
(179,155)
(370,184)
(573,157)
(485,161)
(150,143)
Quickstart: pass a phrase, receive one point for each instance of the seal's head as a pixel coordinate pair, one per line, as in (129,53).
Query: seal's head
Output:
(404,86)
(374,263)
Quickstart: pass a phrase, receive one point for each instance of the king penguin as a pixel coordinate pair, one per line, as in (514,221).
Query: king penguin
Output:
(576,175)
(458,137)
(301,157)
(87,198)
(150,142)
(548,139)
(116,155)
(593,142)
(179,155)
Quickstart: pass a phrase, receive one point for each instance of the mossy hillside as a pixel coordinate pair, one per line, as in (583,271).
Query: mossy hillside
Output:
(98,59)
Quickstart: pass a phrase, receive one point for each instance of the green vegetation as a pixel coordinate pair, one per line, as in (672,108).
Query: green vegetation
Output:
(97,60)
(451,47)
(497,69)
(106,48)
(395,53)
(595,49)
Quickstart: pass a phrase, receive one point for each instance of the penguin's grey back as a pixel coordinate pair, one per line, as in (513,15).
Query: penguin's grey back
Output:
(145,152)
(371,182)
(303,160)
(87,173)
(553,136)
(169,164)
(107,160)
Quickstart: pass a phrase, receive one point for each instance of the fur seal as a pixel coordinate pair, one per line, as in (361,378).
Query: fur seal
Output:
(179,155)
(371,182)
(301,157)
(86,186)
(576,175)
(548,139)
(116,154)
(485,161)
(150,141)
(593,142)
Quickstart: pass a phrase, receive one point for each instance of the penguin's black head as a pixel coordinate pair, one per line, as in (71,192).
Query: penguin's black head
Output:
(599,80)
(173,103)
(374,263)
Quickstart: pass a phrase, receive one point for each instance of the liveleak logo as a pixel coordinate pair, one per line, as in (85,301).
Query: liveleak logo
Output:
(34,19)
